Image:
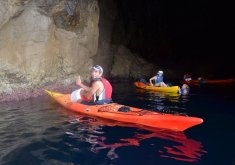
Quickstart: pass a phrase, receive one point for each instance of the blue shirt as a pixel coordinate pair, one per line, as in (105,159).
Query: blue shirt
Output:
(159,78)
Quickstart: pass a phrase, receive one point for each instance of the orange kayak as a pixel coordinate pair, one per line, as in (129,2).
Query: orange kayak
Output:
(210,82)
(169,89)
(128,114)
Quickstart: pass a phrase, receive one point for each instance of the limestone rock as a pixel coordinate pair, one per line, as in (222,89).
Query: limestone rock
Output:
(46,42)
(128,65)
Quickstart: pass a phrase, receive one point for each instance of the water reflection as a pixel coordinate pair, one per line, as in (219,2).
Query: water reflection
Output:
(153,95)
(82,139)
(163,102)
(177,145)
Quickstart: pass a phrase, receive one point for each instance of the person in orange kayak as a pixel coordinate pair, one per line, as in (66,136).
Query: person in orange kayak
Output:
(99,91)
(158,80)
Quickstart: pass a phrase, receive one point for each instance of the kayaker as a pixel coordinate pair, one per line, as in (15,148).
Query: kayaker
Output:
(99,91)
(158,79)
(187,77)
(184,89)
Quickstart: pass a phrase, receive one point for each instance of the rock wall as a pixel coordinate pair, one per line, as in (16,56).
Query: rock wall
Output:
(35,49)
(130,65)
(50,42)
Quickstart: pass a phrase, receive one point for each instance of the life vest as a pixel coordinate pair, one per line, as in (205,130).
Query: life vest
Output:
(159,78)
(106,93)
(108,88)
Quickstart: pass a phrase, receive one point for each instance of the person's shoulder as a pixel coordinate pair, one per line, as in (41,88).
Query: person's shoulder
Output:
(97,82)
(97,79)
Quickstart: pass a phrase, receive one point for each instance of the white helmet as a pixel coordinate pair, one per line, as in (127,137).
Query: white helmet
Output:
(160,72)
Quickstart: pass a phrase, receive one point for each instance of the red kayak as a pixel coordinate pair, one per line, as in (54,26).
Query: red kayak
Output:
(128,114)
(210,82)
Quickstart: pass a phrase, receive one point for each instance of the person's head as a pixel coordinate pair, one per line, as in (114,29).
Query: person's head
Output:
(187,77)
(199,78)
(160,72)
(96,71)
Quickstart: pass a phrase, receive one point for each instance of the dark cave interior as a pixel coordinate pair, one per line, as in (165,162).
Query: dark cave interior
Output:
(186,36)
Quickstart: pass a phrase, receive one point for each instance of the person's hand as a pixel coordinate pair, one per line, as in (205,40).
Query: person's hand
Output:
(78,81)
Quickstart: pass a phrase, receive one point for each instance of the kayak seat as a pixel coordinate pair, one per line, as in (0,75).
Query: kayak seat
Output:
(124,109)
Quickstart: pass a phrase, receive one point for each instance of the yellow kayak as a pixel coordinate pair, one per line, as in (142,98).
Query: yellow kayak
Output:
(171,89)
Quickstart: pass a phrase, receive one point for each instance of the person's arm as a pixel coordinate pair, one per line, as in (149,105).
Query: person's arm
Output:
(151,79)
(93,89)
(79,83)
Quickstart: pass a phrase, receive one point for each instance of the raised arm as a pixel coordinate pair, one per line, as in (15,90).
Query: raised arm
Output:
(151,79)
(79,83)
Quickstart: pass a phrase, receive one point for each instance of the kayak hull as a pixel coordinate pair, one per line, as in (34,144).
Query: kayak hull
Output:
(128,114)
(170,89)
(210,82)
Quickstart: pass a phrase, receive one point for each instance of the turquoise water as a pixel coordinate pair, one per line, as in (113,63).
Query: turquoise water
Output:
(41,132)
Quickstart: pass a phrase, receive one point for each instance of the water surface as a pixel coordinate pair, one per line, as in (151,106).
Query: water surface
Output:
(39,131)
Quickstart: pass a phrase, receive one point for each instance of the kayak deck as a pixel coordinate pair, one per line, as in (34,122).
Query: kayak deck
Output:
(128,114)
(172,89)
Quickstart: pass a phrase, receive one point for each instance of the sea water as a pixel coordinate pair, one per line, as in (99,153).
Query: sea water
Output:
(41,132)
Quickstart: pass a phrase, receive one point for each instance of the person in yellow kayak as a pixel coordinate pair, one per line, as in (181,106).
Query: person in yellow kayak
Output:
(98,92)
(158,80)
